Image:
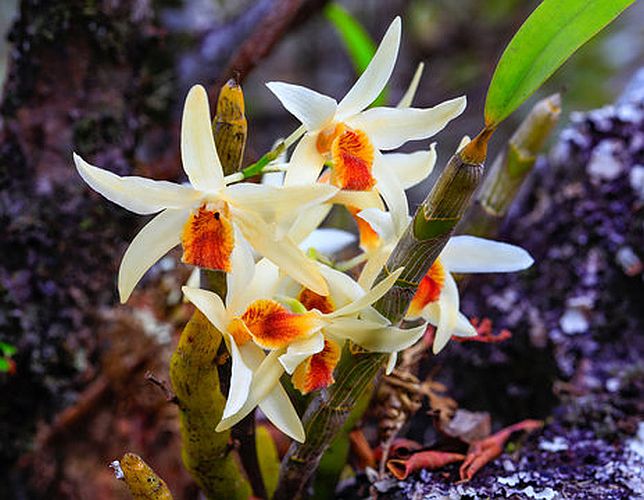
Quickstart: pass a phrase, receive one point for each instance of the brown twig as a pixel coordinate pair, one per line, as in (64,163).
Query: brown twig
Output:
(279,18)
(162,384)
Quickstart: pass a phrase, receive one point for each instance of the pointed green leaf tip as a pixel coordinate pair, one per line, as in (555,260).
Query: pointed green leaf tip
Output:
(552,33)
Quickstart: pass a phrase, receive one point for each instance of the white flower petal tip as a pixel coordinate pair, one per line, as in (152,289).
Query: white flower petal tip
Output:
(198,152)
(464,142)
(374,78)
(210,304)
(136,194)
(470,254)
(313,109)
(409,95)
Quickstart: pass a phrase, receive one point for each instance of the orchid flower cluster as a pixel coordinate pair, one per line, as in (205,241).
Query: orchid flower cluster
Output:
(284,311)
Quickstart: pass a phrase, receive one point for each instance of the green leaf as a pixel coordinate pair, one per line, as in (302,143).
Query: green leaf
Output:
(552,33)
(269,462)
(360,46)
(7,349)
(4,365)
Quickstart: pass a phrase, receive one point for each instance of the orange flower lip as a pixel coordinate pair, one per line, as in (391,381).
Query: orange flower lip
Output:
(208,238)
(352,154)
(316,371)
(369,239)
(312,300)
(240,332)
(429,289)
(272,326)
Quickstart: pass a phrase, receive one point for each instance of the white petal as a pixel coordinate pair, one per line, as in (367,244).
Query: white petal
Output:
(358,199)
(284,253)
(276,405)
(407,99)
(198,153)
(243,267)
(380,221)
(328,240)
(262,286)
(265,379)
(279,409)
(375,76)
(368,298)
(194,280)
(371,314)
(373,336)
(306,162)
(343,289)
(313,109)
(470,254)
(299,351)
(307,221)
(464,327)
(432,313)
(392,192)
(389,128)
(274,203)
(152,242)
(240,379)
(210,304)
(391,363)
(411,168)
(374,265)
(137,194)
(273,179)
(448,304)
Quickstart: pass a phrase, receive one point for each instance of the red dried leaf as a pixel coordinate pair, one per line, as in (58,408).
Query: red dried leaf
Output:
(400,448)
(485,331)
(484,451)
(402,468)
(360,448)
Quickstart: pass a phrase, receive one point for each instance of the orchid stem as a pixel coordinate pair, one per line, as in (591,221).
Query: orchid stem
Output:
(258,167)
(421,243)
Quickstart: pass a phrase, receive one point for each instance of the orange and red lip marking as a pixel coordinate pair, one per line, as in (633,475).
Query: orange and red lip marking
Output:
(208,237)
(429,289)
(272,326)
(316,371)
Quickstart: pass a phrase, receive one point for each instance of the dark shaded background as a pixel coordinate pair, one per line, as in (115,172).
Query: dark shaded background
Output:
(107,78)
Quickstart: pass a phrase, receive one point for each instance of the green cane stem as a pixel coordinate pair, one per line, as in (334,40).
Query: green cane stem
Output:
(423,240)
(510,169)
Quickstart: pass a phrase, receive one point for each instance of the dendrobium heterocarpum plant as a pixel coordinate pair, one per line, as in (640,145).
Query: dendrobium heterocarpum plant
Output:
(284,312)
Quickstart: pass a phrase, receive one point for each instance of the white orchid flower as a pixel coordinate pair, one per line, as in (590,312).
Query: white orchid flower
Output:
(303,341)
(250,365)
(208,218)
(437,299)
(352,136)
